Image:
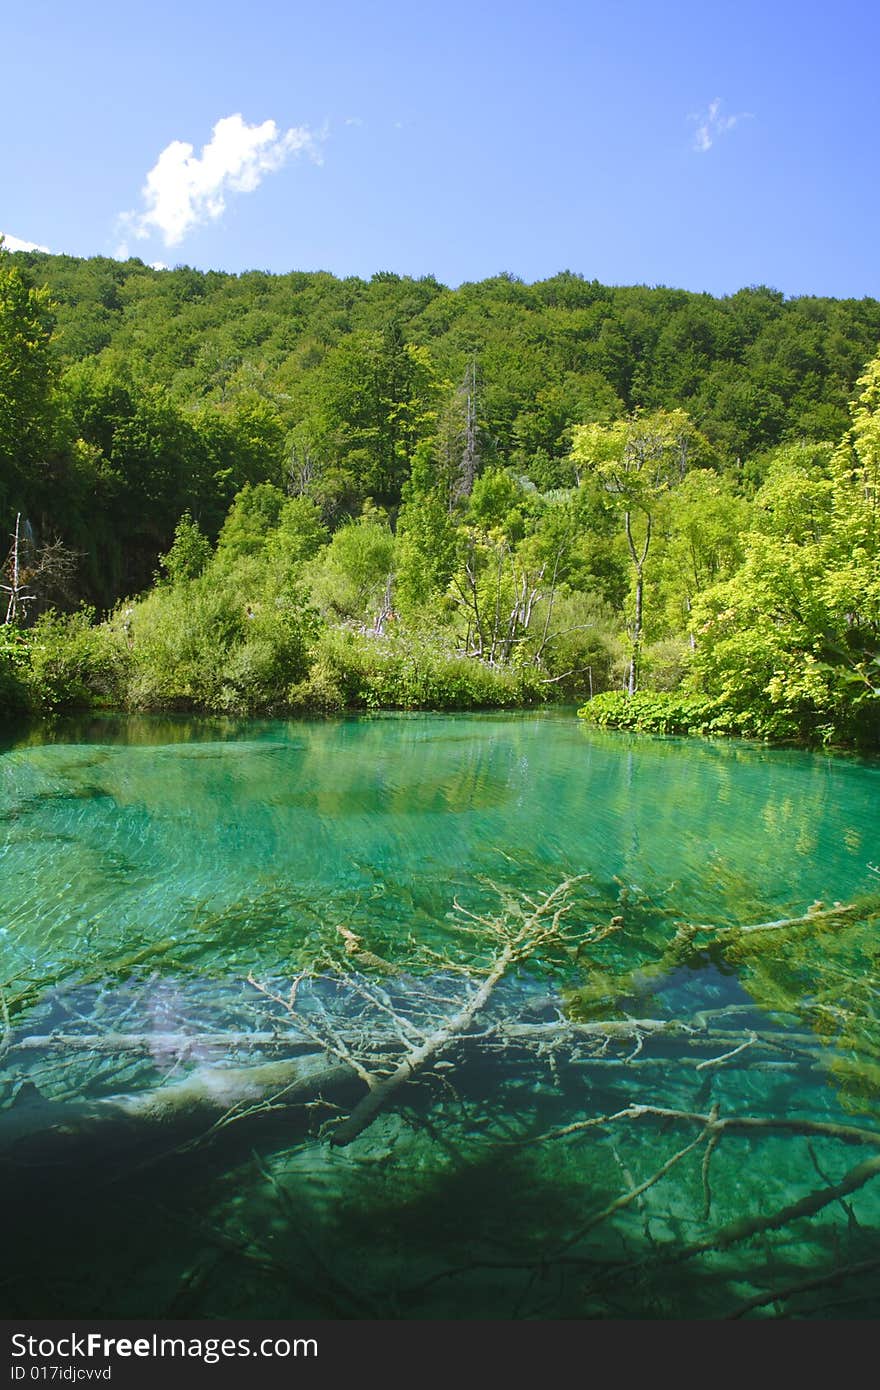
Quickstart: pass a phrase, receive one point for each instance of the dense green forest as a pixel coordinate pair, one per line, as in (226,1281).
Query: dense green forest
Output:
(281,492)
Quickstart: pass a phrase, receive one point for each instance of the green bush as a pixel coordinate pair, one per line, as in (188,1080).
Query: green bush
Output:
(353,671)
(233,641)
(74,663)
(673,712)
(652,712)
(578,649)
(15,694)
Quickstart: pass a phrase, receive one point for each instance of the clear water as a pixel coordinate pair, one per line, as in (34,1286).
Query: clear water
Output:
(148,867)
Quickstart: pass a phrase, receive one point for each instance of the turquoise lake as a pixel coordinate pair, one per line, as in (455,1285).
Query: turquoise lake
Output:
(169,878)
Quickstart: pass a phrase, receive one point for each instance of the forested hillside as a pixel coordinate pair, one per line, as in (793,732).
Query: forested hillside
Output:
(391,492)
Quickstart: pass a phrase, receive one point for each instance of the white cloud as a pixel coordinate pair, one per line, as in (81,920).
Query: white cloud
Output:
(711,123)
(14,243)
(184,190)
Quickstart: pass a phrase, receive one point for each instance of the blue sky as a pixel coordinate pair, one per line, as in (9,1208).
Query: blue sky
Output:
(708,146)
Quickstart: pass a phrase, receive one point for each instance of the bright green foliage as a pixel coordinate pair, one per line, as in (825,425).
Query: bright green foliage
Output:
(678,712)
(350,577)
(651,712)
(700,544)
(233,640)
(299,533)
(189,554)
(638,461)
(551,488)
(255,513)
(25,381)
(497,504)
(407,672)
(75,663)
(426,552)
(255,439)
(795,498)
(794,636)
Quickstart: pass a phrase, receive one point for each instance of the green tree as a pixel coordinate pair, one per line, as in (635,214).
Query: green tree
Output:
(426,535)
(791,643)
(189,553)
(851,555)
(499,580)
(26,377)
(351,578)
(638,460)
(701,526)
(796,497)
(252,518)
(299,534)
(374,401)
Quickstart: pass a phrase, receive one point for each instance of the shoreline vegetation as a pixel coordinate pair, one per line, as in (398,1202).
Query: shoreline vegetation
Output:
(272,495)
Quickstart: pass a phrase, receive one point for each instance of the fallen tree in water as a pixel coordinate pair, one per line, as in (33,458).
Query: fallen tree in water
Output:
(36,1128)
(332,1030)
(526,928)
(470,1050)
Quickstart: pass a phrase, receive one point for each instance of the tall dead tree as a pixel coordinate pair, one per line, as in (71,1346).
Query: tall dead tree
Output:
(34,573)
(16,590)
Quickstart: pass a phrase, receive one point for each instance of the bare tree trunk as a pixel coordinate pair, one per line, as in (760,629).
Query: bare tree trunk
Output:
(495,626)
(386,610)
(17,597)
(639,563)
(300,472)
(692,641)
(636,635)
(42,572)
(471,603)
(549,614)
